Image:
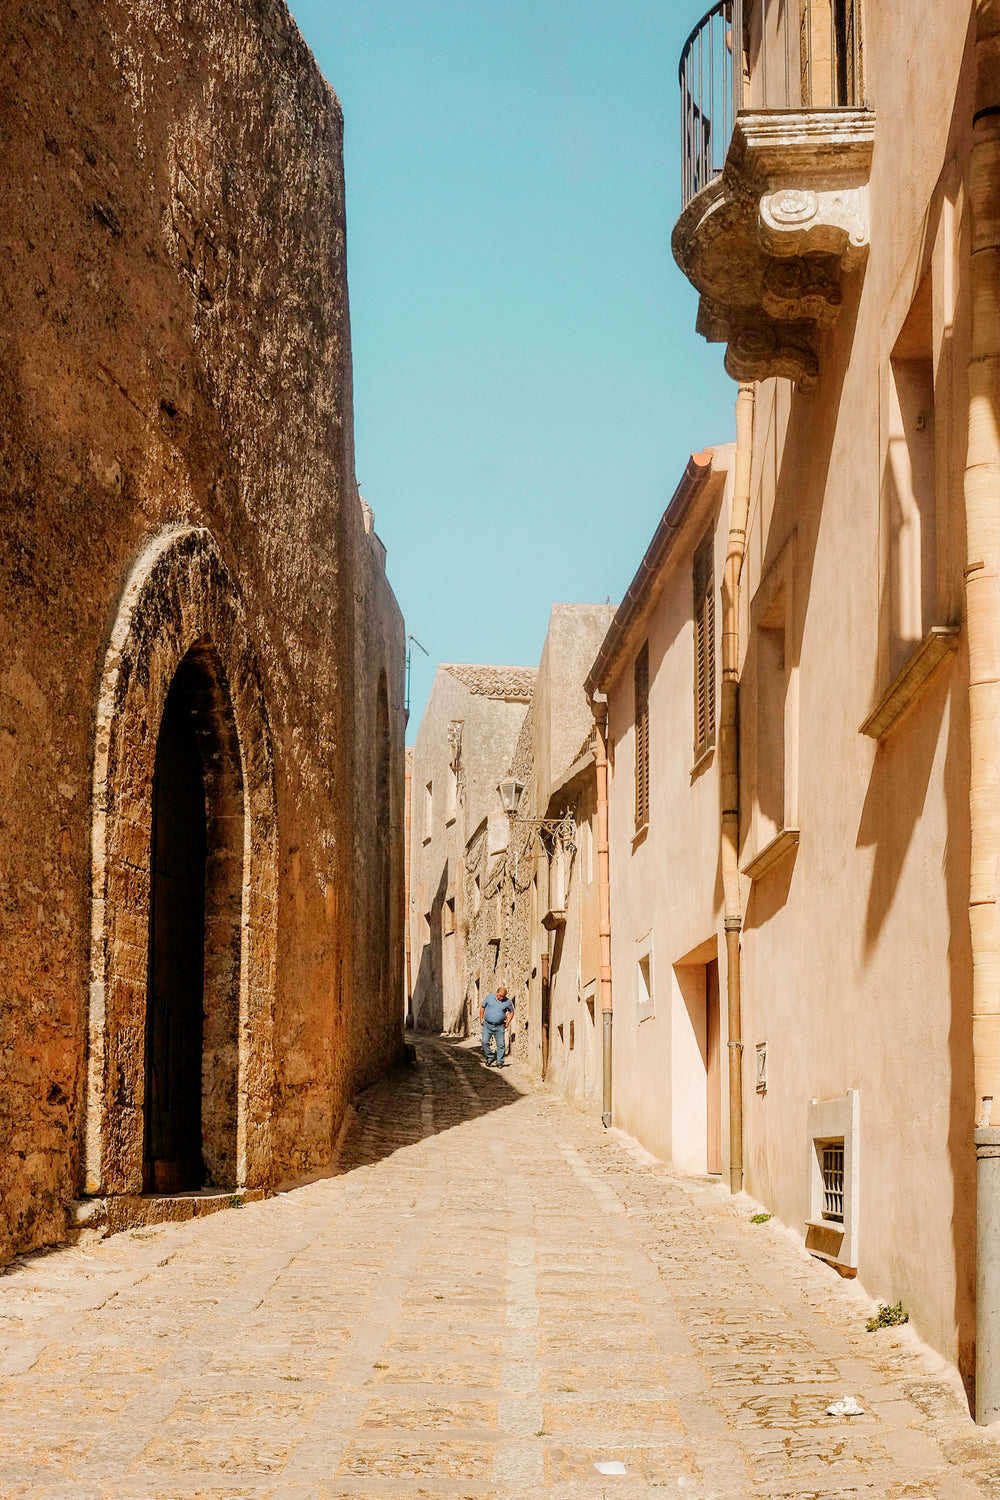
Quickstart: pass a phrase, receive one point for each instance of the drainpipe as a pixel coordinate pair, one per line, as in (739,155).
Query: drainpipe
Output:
(729,770)
(982,598)
(600,712)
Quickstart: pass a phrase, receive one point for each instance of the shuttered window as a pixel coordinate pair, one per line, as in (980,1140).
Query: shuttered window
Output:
(642,738)
(704,647)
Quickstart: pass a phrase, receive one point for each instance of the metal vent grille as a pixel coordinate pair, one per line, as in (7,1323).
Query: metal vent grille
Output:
(833,1182)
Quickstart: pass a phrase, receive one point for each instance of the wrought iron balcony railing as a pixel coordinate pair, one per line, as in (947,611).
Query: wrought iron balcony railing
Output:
(751,54)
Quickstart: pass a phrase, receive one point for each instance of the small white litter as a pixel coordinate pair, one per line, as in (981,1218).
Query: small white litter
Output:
(847,1406)
(611,1466)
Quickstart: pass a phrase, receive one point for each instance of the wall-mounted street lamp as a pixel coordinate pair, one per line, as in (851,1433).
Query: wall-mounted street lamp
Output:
(563,829)
(510,795)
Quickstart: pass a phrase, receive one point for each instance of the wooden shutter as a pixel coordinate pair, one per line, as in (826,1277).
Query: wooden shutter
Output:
(704,647)
(642,738)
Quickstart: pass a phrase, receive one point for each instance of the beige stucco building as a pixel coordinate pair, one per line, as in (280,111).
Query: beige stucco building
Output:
(658,669)
(803,850)
(201,693)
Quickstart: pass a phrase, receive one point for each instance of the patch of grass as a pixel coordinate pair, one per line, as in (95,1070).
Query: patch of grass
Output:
(292,1377)
(568,1389)
(887,1317)
(759,1218)
(237,1201)
(542,1433)
(380,1364)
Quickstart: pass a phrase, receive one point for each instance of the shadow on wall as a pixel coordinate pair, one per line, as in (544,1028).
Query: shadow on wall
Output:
(900,778)
(447,1085)
(428,982)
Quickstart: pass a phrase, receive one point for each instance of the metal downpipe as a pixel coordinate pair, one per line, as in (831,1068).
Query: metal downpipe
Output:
(729,769)
(600,712)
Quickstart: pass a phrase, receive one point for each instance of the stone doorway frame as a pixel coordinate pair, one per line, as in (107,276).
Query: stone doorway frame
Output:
(180,598)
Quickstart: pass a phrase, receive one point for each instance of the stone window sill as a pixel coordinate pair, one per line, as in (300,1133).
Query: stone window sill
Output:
(834,1225)
(940,642)
(702,760)
(639,836)
(783,843)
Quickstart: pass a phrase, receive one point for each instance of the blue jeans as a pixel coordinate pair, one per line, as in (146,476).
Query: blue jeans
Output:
(496,1030)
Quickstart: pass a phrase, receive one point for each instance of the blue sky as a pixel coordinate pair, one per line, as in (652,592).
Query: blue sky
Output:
(527,379)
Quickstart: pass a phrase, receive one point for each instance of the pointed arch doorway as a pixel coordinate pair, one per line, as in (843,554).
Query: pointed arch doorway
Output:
(183,942)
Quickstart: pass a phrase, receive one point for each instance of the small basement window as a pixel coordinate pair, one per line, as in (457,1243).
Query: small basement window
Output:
(834,1158)
(833,1180)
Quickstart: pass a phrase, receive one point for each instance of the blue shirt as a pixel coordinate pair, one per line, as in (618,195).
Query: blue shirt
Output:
(495,1010)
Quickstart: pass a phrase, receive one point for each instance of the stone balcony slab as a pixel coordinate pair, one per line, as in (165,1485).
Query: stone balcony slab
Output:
(768,243)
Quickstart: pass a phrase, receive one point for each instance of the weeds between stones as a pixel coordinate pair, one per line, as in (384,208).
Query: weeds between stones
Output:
(887,1317)
(759,1218)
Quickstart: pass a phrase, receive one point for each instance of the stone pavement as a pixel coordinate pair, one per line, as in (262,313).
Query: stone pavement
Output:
(492,1297)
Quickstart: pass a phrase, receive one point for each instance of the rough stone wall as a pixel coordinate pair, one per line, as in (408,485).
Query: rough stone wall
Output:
(489,729)
(497,943)
(379,1000)
(174,352)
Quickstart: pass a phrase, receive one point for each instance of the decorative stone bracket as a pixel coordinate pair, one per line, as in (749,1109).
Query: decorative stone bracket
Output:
(769,242)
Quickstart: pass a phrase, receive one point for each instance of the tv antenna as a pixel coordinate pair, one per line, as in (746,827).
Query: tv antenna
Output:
(411,641)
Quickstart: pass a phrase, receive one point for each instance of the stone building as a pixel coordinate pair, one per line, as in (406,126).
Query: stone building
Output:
(463,746)
(554,928)
(828,820)
(201,694)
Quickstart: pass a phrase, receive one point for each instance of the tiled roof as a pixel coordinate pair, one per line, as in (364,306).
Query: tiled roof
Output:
(495,682)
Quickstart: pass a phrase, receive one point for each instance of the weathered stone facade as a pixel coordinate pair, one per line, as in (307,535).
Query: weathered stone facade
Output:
(463,747)
(510,877)
(180,517)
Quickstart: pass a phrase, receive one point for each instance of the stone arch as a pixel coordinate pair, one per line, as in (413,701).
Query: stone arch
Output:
(181,609)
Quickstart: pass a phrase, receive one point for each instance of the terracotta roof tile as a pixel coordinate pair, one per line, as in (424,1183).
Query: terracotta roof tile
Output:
(495,682)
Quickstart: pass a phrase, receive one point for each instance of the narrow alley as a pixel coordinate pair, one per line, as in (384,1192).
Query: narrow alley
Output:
(493,1297)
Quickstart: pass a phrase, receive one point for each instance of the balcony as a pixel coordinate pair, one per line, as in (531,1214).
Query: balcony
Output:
(776,154)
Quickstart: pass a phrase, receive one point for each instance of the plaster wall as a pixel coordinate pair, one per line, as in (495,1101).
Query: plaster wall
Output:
(666,894)
(175,355)
(856,956)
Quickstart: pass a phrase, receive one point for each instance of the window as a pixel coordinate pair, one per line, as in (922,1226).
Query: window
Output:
(590,1000)
(831,54)
(642,738)
(451,795)
(588,852)
(477,895)
(428,810)
(772,678)
(833,1180)
(704,646)
(910,485)
(771,694)
(834,1140)
(644,978)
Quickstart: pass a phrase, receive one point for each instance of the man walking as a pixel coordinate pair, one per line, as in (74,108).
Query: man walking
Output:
(494,1015)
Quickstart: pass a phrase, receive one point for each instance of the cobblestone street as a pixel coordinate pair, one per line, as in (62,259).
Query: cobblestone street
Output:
(492,1297)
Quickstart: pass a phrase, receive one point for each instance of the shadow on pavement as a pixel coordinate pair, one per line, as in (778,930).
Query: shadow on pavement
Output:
(447,1085)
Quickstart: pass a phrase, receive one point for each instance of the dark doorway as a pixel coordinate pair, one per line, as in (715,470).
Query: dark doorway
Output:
(172,1145)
